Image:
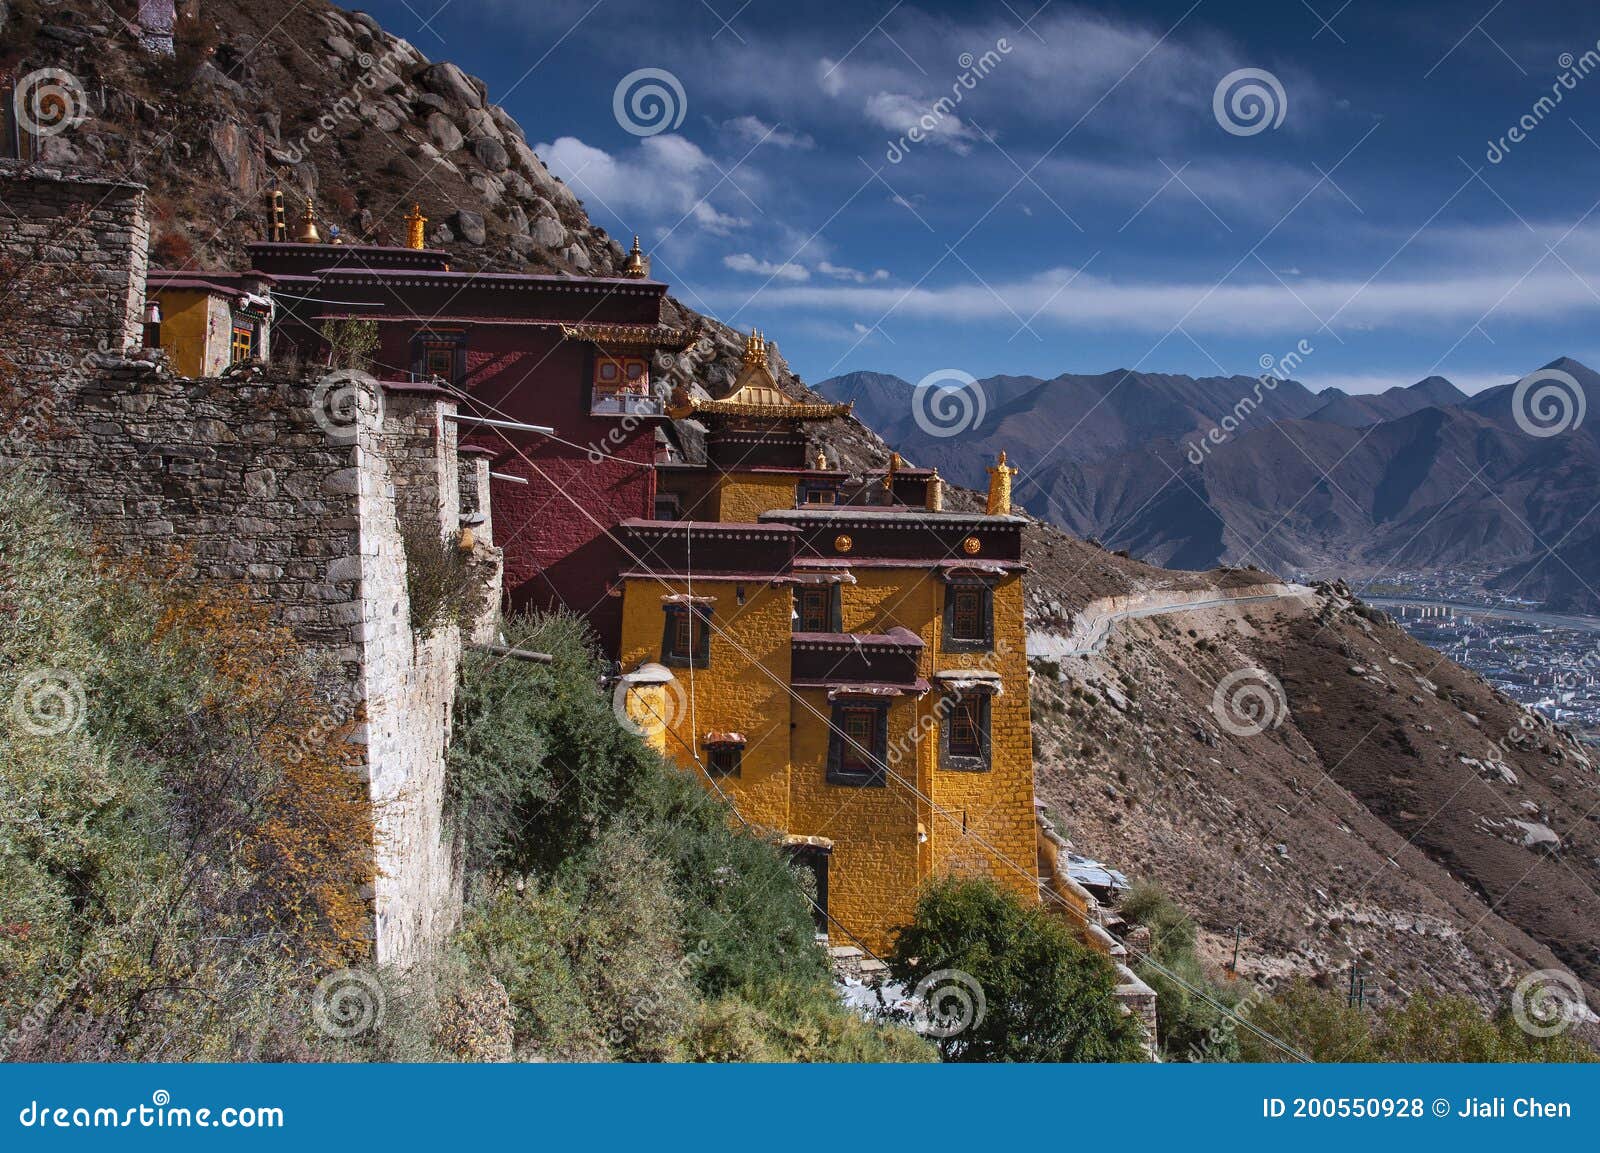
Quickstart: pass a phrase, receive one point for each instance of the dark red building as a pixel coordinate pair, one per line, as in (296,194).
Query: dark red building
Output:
(569,353)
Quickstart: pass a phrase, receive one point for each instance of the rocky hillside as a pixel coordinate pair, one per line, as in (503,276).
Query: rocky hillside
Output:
(1381,816)
(1368,823)
(328,107)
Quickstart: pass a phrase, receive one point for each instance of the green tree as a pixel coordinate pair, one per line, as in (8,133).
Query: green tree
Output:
(1192,1021)
(1024,987)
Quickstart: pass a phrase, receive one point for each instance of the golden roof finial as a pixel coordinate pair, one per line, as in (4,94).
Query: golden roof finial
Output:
(821,462)
(637,265)
(755,350)
(416,228)
(308,233)
(1000,487)
(277,227)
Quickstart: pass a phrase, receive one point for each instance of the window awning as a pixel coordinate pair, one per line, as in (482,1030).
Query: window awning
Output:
(713,739)
(971,680)
(916,688)
(687,599)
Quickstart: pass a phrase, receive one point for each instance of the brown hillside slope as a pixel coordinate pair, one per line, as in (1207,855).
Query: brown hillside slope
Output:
(1367,826)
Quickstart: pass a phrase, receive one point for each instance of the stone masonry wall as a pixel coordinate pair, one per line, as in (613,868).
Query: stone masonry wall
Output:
(240,475)
(259,480)
(81,250)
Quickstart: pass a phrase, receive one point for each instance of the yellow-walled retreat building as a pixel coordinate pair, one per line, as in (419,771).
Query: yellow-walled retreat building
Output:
(206,321)
(843,662)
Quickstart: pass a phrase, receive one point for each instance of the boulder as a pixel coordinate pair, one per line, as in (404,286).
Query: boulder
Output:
(491,154)
(453,84)
(509,128)
(340,47)
(470,226)
(480,123)
(517,184)
(487,186)
(548,232)
(380,116)
(72,37)
(578,258)
(443,133)
(517,219)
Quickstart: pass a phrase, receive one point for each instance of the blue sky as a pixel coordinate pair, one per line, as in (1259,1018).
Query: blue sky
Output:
(1082,208)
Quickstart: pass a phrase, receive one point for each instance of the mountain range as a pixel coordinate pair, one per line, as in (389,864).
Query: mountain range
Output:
(1193,472)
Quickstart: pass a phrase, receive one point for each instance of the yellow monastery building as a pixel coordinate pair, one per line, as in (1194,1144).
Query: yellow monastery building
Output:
(840,658)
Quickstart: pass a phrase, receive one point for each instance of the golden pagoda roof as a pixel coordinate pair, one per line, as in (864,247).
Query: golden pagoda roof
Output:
(755,394)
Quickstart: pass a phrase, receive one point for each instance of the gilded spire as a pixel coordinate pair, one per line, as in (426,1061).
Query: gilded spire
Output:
(416,228)
(308,233)
(1000,487)
(637,265)
(755,350)
(277,227)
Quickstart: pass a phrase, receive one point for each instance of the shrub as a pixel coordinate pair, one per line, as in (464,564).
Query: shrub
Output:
(1046,997)
(352,343)
(182,845)
(444,584)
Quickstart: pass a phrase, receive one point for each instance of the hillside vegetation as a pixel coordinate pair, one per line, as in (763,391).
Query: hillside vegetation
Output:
(183,851)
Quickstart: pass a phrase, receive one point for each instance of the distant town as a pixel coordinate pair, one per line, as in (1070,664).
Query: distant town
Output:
(1549,662)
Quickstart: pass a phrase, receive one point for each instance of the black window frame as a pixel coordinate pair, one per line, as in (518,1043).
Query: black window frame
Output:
(834,622)
(969,644)
(699,654)
(724,759)
(425,340)
(959,760)
(668,502)
(837,773)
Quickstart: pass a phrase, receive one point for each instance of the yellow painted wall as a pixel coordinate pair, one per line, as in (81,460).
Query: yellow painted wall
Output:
(974,823)
(743,496)
(984,822)
(875,867)
(744,688)
(196,331)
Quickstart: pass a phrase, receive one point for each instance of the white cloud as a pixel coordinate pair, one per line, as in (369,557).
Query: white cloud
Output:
(744,262)
(1449,298)
(752,130)
(842,272)
(904,115)
(666,177)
